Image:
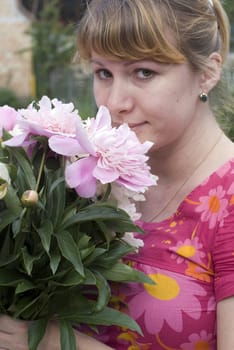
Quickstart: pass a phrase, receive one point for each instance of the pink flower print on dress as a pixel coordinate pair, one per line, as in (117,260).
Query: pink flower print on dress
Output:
(171,289)
(213,208)
(189,249)
(223,170)
(198,341)
(231,189)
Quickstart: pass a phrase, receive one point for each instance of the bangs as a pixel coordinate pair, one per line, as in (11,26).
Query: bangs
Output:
(115,29)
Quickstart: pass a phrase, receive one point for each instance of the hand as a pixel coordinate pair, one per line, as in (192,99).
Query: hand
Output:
(13,334)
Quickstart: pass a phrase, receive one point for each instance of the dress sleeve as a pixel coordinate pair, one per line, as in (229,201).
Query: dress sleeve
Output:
(223,258)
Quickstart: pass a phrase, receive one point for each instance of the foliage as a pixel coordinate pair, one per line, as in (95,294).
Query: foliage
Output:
(53,45)
(222,100)
(225,116)
(229,7)
(9,97)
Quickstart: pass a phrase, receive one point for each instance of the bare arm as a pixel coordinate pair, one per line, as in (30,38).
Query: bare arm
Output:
(225,324)
(14,336)
(87,343)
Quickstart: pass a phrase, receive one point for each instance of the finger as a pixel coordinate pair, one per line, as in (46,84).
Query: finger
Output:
(8,325)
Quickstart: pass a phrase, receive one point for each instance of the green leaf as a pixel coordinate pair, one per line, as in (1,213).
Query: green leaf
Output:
(96,253)
(71,302)
(116,251)
(12,201)
(7,218)
(106,231)
(106,317)
(104,291)
(56,195)
(78,309)
(89,277)
(55,185)
(24,286)
(6,255)
(105,212)
(70,251)
(55,259)
(10,277)
(36,332)
(25,307)
(28,260)
(121,272)
(67,336)
(24,163)
(72,278)
(45,232)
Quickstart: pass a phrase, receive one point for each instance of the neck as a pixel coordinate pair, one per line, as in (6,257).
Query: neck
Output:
(188,178)
(178,158)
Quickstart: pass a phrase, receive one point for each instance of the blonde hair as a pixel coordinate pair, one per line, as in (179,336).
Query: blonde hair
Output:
(170,31)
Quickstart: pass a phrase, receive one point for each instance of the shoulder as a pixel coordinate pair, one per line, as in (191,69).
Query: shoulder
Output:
(213,200)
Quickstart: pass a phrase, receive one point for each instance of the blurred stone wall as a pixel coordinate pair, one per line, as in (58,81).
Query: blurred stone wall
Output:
(15,65)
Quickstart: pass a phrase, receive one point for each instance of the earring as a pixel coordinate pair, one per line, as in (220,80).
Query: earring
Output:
(203,97)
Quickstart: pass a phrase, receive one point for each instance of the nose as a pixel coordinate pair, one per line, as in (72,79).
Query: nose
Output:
(119,98)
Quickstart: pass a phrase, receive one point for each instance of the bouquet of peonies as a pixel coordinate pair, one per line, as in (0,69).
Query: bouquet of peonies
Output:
(67,193)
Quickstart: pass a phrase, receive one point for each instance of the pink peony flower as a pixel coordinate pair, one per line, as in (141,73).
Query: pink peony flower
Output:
(8,116)
(112,155)
(51,117)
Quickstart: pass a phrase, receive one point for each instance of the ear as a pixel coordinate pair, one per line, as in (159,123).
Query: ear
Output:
(211,75)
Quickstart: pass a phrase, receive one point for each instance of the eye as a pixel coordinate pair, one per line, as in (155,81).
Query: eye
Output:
(144,73)
(103,74)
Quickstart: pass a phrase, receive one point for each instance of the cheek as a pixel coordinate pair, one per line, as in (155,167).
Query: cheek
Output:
(95,94)
(99,94)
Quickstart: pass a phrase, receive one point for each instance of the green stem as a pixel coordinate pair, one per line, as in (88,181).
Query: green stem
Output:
(40,171)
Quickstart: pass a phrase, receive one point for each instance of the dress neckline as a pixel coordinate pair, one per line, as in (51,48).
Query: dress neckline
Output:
(182,203)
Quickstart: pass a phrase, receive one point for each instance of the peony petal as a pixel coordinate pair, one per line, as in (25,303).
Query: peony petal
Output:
(87,189)
(103,118)
(80,171)
(17,140)
(83,139)
(66,146)
(8,117)
(105,175)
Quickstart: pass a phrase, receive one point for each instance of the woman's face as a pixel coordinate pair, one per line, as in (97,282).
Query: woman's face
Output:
(158,101)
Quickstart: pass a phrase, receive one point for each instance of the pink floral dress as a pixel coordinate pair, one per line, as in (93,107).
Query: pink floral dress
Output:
(190,256)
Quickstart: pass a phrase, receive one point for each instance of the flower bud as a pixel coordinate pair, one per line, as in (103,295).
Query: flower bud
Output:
(29,198)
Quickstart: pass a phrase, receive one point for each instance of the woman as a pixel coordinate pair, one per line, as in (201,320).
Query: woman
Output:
(155,63)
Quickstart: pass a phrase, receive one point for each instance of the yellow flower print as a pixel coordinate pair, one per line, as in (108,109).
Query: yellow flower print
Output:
(190,249)
(131,338)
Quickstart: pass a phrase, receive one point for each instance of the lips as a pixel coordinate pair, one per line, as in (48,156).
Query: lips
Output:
(131,125)
(135,126)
